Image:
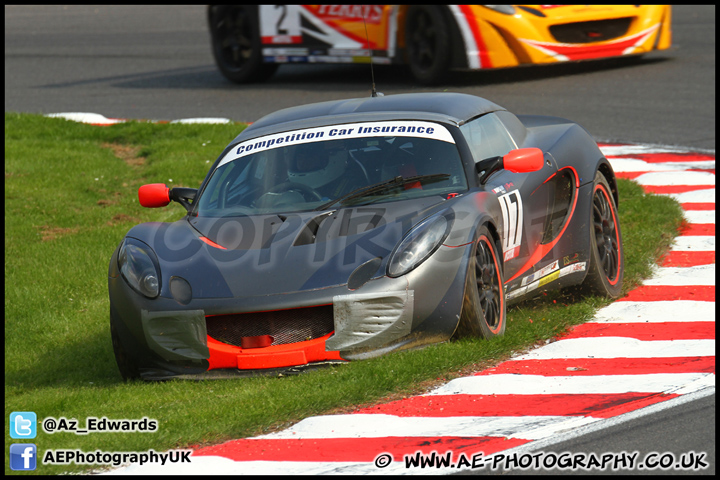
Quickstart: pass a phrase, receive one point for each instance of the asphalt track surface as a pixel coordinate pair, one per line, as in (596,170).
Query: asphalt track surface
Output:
(154,62)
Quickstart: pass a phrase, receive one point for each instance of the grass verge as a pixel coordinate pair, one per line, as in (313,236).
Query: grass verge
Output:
(70,196)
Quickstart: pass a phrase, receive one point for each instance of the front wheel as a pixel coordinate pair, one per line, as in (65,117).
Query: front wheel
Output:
(607,261)
(484,310)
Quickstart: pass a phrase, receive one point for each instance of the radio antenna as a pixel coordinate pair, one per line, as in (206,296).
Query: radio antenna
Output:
(372,73)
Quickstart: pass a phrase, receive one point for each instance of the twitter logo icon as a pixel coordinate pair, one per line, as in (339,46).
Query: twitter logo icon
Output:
(23,425)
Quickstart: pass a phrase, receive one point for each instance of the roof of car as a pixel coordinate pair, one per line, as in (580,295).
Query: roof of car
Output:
(447,107)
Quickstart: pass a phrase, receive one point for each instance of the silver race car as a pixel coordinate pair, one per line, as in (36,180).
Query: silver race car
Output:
(348,229)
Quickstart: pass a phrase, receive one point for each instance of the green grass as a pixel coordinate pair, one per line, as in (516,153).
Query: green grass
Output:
(70,196)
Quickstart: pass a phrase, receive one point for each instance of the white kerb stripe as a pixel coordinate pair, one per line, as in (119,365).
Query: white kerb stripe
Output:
(695,196)
(617,150)
(694,243)
(637,165)
(655,312)
(620,347)
(509,384)
(93,118)
(700,216)
(683,276)
(204,120)
(379,425)
(676,178)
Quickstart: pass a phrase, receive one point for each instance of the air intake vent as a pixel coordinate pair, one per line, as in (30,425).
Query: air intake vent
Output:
(589,32)
(285,326)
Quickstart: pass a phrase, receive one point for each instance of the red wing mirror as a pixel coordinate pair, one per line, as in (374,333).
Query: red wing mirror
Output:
(524,160)
(154,195)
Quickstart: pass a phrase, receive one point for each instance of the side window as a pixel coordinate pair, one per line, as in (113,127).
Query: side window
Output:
(487,137)
(513,125)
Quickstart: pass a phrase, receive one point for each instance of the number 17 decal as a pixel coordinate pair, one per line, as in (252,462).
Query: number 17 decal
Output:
(512,212)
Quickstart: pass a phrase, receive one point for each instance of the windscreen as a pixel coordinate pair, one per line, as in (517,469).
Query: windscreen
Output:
(333,166)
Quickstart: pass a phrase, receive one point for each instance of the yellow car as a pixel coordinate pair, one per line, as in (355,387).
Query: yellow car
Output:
(249,42)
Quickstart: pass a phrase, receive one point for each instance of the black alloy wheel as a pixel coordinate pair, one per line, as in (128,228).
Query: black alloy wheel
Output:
(236,45)
(606,259)
(488,286)
(484,312)
(606,238)
(427,40)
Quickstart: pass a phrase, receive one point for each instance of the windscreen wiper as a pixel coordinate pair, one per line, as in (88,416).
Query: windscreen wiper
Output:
(384,185)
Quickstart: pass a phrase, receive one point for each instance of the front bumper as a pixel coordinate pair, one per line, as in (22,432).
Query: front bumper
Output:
(532,38)
(168,339)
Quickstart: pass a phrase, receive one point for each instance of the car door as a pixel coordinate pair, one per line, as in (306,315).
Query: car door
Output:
(526,199)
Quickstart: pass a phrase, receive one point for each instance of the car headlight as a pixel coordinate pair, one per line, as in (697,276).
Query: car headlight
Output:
(419,243)
(139,267)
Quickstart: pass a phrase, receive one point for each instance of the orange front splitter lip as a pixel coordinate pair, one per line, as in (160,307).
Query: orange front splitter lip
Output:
(223,355)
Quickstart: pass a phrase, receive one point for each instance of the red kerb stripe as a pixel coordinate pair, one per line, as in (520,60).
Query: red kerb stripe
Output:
(698,206)
(629,175)
(649,293)
(354,449)
(693,229)
(668,157)
(687,259)
(604,366)
(668,189)
(646,331)
(593,404)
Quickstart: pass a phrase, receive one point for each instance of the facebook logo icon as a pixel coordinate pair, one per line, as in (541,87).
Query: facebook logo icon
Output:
(23,425)
(23,456)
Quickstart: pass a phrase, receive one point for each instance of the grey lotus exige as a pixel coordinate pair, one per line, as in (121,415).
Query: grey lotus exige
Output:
(348,229)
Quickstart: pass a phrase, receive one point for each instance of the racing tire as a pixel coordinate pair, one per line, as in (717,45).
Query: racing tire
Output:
(427,39)
(236,46)
(484,310)
(606,260)
(128,369)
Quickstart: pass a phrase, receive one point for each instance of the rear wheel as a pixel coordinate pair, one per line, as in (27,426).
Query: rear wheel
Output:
(607,261)
(484,311)
(235,37)
(427,38)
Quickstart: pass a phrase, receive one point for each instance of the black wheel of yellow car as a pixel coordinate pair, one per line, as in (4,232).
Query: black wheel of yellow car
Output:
(427,39)
(235,37)
(128,369)
(607,262)
(484,310)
